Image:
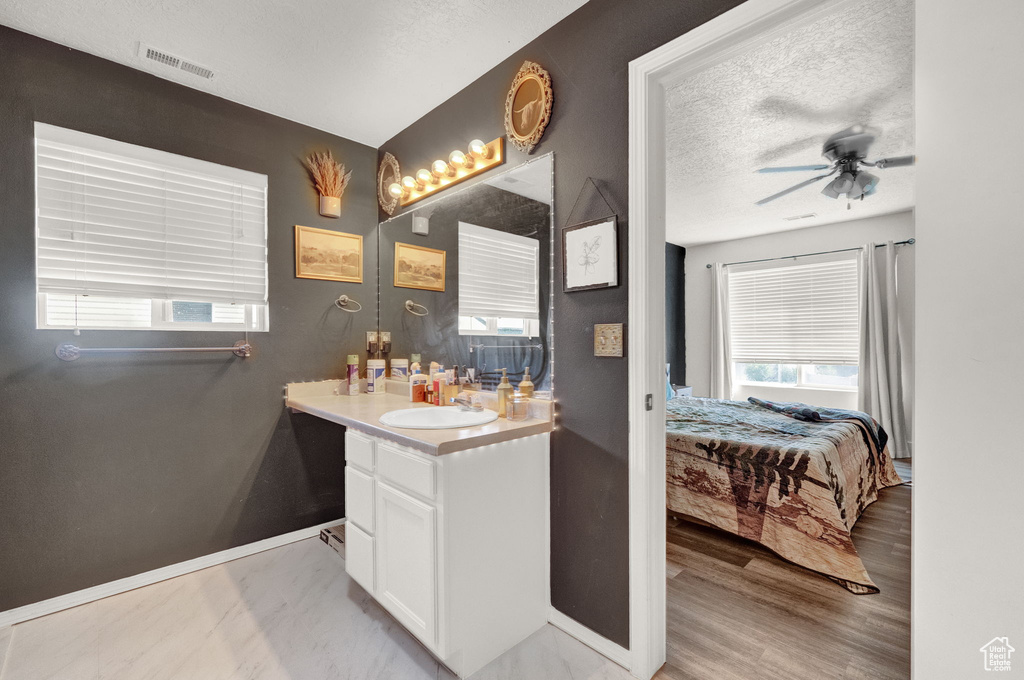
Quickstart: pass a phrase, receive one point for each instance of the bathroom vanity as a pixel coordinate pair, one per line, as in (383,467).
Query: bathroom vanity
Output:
(447,529)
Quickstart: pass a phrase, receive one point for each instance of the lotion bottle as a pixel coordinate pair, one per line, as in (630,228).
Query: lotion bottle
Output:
(417,386)
(504,393)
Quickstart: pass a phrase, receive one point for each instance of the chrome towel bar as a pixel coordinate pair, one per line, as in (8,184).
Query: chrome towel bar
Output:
(69,352)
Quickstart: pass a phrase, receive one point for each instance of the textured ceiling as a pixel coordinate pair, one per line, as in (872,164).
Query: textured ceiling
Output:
(361,69)
(775,104)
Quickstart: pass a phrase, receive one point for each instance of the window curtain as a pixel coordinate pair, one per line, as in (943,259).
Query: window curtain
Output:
(721,361)
(881,384)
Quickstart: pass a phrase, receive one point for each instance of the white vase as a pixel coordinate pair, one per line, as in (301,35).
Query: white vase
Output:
(330,206)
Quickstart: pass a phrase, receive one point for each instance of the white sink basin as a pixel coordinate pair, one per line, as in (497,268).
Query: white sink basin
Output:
(439,418)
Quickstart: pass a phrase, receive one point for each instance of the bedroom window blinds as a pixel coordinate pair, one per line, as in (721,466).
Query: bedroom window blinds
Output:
(499,274)
(803,313)
(118,224)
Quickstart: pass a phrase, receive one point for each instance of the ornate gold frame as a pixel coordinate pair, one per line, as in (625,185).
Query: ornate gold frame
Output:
(399,247)
(388,203)
(526,134)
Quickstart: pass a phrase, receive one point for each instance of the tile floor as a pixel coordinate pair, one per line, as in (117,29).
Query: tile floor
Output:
(285,614)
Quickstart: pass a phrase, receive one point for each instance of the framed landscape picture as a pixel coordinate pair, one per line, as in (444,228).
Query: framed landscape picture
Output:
(589,255)
(419,267)
(328,255)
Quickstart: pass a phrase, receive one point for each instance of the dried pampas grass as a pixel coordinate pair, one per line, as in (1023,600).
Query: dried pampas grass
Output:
(328,174)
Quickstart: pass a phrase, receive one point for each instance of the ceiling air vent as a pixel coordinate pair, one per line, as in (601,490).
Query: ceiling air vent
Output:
(167,59)
(794,218)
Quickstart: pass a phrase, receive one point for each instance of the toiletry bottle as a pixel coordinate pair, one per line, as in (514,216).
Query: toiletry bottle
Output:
(434,368)
(440,382)
(504,393)
(400,369)
(526,386)
(417,386)
(375,369)
(353,374)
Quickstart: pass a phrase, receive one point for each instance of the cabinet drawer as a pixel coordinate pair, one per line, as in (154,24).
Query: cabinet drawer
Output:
(408,470)
(359,499)
(360,562)
(359,450)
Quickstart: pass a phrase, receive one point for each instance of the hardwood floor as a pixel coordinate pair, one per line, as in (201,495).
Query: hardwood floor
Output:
(736,611)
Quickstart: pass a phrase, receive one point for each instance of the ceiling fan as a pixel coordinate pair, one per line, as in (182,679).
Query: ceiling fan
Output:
(846,152)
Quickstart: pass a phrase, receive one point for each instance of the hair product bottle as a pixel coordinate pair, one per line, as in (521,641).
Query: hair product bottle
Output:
(418,386)
(353,374)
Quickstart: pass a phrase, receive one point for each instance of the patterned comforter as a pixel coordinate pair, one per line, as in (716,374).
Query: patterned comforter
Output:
(795,487)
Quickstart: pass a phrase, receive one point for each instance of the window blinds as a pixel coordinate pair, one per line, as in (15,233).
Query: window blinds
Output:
(119,220)
(804,313)
(498,274)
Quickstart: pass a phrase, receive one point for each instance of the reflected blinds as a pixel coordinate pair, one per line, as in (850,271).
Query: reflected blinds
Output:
(498,274)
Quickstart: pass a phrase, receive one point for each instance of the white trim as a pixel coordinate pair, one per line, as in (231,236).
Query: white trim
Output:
(79,597)
(599,643)
(649,75)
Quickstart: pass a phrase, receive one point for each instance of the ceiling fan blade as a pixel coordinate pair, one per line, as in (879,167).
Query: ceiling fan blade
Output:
(795,168)
(895,161)
(793,188)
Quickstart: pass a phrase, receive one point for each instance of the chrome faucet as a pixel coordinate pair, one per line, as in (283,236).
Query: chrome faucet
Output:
(464,404)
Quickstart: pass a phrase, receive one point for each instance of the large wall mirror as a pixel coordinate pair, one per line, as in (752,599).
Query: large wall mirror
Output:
(466,279)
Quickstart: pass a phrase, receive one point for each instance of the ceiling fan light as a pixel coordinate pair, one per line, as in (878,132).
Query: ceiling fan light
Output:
(830,189)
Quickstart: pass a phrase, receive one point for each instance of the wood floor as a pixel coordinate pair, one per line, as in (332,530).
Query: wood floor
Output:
(736,611)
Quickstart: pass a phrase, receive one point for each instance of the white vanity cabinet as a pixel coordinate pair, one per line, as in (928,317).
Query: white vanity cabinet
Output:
(454,546)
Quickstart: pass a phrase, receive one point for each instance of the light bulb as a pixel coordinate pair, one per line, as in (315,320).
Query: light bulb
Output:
(425,177)
(408,182)
(396,189)
(442,169)
(460,160)
(479,149)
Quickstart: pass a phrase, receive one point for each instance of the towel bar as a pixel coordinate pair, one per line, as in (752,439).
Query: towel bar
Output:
(69,352)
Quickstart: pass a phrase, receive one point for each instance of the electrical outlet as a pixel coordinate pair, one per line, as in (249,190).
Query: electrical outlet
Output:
(371,342)
(608,339)
(385,342)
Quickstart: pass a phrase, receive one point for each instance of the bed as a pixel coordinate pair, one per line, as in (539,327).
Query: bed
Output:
(776,477)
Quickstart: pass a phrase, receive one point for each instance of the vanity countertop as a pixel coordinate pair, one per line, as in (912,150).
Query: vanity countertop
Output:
(362,413)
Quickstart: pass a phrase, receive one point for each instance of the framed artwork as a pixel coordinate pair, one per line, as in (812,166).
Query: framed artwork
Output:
(328,255)
(589,255)
(528,106)
(419,267)
(388,173)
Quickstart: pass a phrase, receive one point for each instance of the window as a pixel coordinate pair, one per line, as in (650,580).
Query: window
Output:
(796,325)
(134,238)
(499,283)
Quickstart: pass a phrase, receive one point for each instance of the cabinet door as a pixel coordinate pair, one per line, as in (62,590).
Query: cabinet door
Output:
(407,561)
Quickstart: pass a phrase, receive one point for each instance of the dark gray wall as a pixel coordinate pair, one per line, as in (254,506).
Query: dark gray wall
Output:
(436,336)
(587,55)
(111,466)
(675,311)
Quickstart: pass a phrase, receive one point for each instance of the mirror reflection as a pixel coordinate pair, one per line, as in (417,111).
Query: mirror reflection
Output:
(466,279)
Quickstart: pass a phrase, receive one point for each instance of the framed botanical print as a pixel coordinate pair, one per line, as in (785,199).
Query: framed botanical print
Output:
(419,267)
(589,255)
(328,255)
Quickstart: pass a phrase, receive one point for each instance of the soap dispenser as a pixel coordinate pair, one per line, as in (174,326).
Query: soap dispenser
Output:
(526,386)
(504,393)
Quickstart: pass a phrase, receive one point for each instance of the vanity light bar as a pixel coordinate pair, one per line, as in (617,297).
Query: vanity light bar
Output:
(479,158)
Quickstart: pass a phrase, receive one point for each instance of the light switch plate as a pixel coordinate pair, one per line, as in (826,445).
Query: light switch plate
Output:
(608,339)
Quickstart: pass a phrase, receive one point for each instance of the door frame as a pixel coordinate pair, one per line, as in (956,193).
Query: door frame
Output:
(650,75)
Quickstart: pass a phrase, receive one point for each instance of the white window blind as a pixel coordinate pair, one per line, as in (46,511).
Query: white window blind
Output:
(804,313)
(499,274)
(123,221)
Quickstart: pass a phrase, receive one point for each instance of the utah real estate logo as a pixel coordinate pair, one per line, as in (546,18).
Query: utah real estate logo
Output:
(997,654)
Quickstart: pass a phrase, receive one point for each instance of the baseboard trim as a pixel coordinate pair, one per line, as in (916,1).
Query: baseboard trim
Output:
(596,641)
(79,597)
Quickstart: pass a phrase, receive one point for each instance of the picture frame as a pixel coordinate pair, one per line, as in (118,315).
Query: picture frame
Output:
(590,255)
(328,255)
(419,267)
(528,106)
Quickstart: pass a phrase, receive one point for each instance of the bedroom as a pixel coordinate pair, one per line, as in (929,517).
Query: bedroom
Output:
(770,296)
